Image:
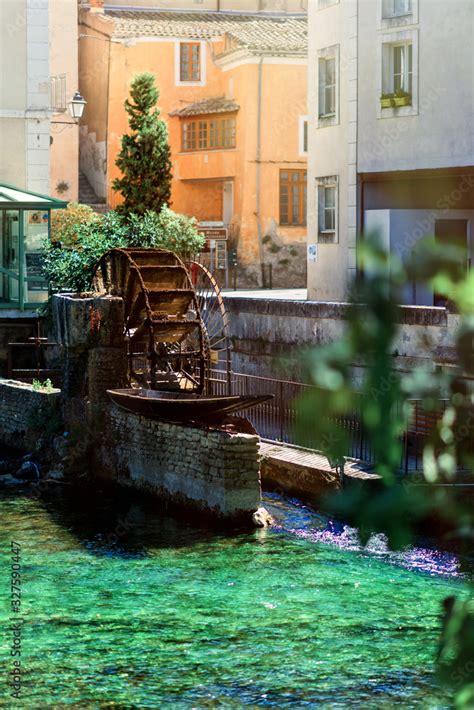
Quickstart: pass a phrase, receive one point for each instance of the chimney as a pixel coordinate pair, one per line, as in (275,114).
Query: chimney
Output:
(96,5)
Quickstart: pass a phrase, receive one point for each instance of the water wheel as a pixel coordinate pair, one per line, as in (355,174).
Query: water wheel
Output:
(216,323)
(168,345)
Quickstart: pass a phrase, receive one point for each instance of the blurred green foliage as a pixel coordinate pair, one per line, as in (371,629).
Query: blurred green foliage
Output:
(381,403)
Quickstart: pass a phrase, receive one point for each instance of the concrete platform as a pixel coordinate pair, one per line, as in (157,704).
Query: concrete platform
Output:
(307,473)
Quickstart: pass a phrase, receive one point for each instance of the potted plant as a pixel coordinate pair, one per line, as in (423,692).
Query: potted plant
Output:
(402,98)
(387,100)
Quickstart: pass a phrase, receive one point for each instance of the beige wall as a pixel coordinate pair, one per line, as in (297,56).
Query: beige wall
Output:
(12,162)
(13,84)
(64,165)
(237,5)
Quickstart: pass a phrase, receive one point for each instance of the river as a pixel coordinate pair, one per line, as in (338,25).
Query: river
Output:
(126,606)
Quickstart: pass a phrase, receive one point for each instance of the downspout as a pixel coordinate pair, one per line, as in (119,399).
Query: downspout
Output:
(261,254)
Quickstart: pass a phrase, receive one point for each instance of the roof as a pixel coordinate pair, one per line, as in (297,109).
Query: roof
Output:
(217,104)
(282,34)
(17,198)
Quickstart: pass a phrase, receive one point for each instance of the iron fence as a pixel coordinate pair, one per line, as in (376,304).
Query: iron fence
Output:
(276,419)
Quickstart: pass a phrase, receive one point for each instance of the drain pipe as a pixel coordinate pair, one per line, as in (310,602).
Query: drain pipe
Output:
(261,254)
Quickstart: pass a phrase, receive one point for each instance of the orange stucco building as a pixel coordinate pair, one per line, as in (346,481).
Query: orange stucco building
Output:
(233,93)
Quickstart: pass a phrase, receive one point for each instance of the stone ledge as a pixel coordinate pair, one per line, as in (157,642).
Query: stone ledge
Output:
(407,315)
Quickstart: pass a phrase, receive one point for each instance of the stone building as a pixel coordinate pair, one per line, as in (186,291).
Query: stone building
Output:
(38,77)
(232,78)
(391,132)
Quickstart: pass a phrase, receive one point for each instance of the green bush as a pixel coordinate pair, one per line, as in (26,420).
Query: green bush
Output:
(71,269)
(66,224)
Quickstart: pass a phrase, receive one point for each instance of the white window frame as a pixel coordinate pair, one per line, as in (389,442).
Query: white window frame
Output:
(177,62)
(388,17)
(390,9)
(389,73)
(302,122)
(386,42)
(324,55)
(328,236)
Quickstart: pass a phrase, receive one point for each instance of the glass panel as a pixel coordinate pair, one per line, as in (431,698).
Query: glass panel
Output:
(295,212)
(213,134)
(330,72)
(330,195)
(398,61)
(9,256)
(202,135)
(184,62)
(409,50)
(195,57)
(35,231)
(284,197)
(305,137)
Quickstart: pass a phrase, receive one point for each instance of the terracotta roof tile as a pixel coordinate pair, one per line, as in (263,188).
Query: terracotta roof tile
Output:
(217,104)
(284,34)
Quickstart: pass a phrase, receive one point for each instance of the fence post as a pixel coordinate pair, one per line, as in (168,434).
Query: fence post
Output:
(281,410)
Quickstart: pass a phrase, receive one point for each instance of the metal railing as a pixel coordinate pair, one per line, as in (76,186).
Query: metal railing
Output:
(276,420)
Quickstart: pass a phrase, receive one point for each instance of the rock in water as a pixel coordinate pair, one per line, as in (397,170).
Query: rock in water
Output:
(262,518)
(28,471)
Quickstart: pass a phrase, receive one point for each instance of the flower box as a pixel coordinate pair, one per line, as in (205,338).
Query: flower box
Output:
(386,102)
(402,101)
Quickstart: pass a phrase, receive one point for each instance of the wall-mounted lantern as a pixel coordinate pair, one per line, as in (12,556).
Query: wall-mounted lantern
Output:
(76,106)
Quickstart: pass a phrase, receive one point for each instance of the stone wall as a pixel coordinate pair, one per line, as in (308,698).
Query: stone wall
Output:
(268,336)
(210,470)
(26,414)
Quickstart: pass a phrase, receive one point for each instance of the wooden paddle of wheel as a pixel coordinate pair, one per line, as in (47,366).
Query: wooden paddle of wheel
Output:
(167,342)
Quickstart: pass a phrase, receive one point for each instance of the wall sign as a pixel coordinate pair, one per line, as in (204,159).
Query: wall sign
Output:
(312,252)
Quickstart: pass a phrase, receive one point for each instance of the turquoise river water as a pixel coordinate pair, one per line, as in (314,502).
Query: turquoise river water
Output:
(126,606)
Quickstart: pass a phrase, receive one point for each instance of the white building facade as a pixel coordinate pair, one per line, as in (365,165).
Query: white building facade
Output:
(391,132)
(39,142)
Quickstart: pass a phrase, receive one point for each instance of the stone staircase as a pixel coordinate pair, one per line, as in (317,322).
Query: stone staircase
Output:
(87,196)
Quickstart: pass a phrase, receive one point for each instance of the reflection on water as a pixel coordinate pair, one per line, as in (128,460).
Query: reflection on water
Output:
(127,606)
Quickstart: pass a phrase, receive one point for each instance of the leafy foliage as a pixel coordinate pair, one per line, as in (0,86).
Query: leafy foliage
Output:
(145,155)
(72,269)
(381,403)
(65,224)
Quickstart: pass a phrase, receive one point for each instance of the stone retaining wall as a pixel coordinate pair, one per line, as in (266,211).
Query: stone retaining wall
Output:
(26,414)
(213,471)
(266,333)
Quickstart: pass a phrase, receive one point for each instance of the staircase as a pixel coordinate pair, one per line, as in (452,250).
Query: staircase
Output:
(88,197)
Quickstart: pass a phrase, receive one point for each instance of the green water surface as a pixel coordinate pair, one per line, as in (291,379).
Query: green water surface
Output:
(125,606)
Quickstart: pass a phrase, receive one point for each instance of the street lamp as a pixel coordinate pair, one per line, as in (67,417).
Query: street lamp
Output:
(76,106)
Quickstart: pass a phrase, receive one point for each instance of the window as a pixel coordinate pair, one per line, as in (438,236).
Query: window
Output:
(208,134)
(57,93)
(327,87)
(398,74)
(327,208)
(190,61)
(189,135)
(328,82)
(303,135)
(293,197)
(395,8)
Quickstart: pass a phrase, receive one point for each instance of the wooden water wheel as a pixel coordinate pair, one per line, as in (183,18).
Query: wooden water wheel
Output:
(168,345)
(216,323)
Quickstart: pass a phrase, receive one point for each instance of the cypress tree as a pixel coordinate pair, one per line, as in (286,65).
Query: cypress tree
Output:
(144,159)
